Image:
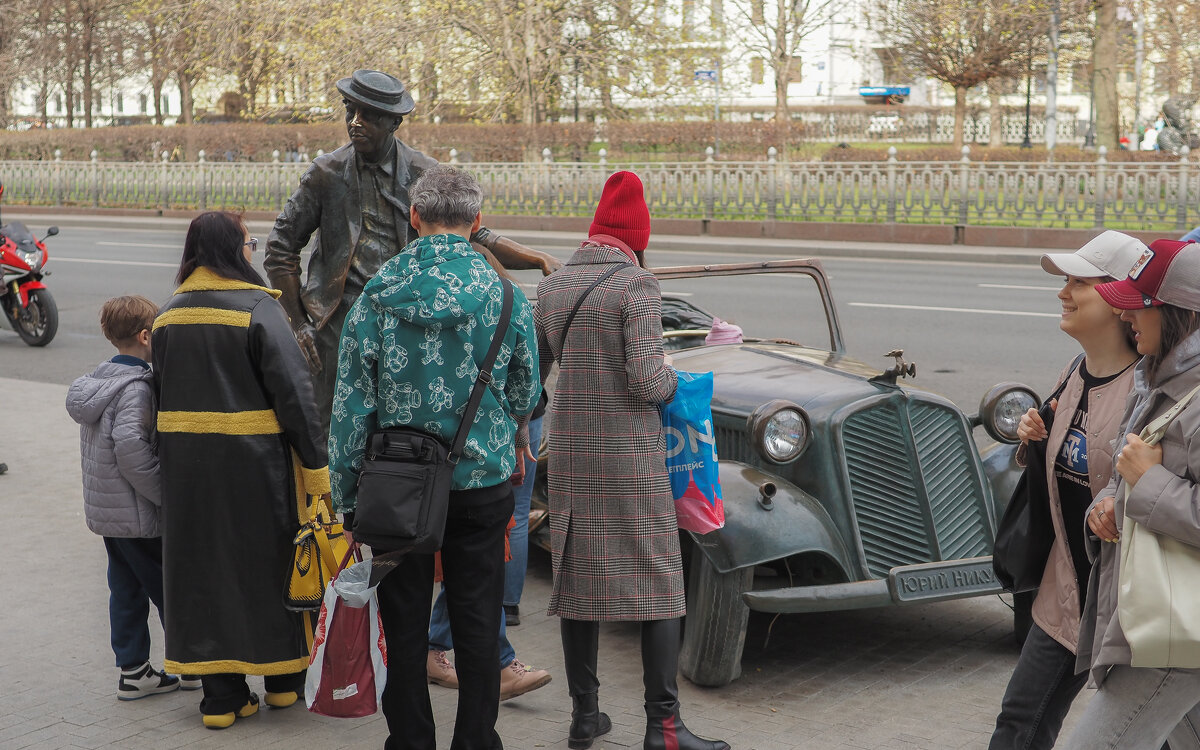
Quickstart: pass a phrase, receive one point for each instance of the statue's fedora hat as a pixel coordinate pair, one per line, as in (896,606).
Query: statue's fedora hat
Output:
(376,90)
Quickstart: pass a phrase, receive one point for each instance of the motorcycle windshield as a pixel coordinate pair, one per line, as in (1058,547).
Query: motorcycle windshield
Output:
(20,234)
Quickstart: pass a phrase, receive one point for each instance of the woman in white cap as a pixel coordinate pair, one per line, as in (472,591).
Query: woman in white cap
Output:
(1078,464)
(1156,486)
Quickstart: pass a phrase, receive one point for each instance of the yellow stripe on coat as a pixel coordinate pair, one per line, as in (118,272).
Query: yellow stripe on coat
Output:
(212,316)
(234,666)
(262,422)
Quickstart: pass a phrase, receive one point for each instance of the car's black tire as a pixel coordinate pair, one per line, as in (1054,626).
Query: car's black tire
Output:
(715,630)
(39,327)
(1022,615)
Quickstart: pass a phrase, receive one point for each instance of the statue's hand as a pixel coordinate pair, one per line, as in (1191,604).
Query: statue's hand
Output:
(306,336)
(550,264)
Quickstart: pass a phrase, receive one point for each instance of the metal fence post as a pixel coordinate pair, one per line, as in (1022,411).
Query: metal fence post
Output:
(56,189)
(891,185)
(547,168)
(772,184)
(164,201)
(1181,211)
(277,181)
(202,178)
(1101,187)
(964,195)
(709,187)
(95,179)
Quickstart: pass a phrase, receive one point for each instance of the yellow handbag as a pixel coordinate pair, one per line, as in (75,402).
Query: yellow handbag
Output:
(319,545)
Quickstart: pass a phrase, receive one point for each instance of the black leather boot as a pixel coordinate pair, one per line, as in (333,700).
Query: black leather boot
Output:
(581,640)
(660,663)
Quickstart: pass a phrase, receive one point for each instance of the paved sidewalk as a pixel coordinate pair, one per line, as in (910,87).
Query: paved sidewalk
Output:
(923,678)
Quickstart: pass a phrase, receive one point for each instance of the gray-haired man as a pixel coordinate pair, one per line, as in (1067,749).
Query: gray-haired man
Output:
(409,357)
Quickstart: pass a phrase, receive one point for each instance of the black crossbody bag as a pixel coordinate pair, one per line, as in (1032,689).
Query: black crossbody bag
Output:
(1026,532)
(404,485)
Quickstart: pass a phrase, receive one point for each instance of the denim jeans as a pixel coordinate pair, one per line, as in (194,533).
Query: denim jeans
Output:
(1039,695)
(440,638)
(518,538)
(135,579)
(1139,708)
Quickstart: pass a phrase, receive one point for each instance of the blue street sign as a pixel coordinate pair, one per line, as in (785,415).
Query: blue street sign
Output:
(706,75)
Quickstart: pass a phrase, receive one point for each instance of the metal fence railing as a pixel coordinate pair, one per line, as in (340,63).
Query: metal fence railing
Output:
(1119,195)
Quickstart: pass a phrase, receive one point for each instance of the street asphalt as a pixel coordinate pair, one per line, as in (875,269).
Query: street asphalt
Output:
(926,677)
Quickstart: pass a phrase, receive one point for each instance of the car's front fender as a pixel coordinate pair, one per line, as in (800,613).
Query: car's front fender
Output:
(757,531)
(1000,467)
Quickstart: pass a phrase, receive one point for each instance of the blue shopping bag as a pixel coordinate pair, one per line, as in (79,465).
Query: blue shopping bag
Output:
(692,454)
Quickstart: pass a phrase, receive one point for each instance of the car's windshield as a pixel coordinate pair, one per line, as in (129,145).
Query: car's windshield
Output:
(783,306)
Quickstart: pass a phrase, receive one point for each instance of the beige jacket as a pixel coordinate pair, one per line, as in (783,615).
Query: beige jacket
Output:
(1056,608)
(1166,500)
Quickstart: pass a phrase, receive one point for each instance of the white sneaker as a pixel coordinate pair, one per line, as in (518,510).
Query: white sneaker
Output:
(142,681)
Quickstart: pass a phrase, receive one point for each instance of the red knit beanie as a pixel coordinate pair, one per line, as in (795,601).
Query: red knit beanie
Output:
(622,212)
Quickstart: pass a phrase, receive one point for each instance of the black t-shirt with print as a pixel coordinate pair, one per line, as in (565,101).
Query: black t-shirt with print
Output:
(1071,473)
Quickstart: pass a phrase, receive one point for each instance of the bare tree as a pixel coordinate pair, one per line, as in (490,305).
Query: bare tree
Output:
(774,31)
(964,42)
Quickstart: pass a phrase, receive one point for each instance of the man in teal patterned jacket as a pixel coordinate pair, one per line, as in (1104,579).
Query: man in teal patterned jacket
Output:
(409,354)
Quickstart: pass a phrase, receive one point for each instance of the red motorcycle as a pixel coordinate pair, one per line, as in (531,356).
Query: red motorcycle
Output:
(26,301)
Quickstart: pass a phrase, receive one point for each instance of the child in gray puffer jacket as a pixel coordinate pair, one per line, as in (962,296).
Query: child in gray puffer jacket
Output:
(122,494)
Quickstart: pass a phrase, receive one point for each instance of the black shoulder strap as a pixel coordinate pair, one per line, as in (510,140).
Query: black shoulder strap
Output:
(1062,386)
(586,292)
(485,374)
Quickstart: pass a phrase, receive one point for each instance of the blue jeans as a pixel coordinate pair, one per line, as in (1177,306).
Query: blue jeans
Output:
(441,640)
(135,579)
(1039,695)
(1139,708)
(518,538)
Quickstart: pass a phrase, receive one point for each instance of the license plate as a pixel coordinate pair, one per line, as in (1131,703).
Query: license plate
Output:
(953,579)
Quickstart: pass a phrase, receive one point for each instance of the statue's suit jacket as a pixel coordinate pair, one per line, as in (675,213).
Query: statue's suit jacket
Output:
(327,202)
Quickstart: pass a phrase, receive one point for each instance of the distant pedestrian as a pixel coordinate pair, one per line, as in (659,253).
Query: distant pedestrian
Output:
(122,489)
(613,530)
(1078,464)
(241,448)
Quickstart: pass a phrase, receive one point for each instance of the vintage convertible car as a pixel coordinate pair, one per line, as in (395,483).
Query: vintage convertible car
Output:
(842,488)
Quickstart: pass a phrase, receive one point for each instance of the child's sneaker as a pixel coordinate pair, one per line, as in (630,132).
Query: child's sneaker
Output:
(190,682)
(142,681)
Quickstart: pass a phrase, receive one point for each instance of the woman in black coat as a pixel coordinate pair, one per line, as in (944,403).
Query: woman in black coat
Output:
(240,446)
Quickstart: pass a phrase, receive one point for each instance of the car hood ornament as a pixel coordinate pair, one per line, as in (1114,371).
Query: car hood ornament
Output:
(901,369)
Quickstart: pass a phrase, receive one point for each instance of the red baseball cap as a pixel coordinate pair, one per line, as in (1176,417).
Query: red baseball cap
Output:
(1167,273)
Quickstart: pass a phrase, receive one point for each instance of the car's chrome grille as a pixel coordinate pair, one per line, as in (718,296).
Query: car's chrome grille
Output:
(916,494)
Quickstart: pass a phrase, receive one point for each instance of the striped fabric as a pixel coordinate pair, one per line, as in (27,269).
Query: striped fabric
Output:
(615,542)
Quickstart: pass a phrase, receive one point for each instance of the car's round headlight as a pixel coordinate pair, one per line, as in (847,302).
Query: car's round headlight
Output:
(780,430)
(1002,407)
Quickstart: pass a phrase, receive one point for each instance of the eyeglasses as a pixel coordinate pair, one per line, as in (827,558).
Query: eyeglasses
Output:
(252,243)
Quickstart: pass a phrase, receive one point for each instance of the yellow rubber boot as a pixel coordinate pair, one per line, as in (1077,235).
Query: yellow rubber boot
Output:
(282,700)
(224,721)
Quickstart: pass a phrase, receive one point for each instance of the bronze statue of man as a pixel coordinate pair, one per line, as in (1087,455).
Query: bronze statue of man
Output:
(356,200)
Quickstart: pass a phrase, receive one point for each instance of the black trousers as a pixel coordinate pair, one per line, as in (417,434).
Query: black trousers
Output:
(1039,695)
(473,575)
(229,692)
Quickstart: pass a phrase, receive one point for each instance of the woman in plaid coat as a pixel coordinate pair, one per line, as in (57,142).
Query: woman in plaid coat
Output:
(615,540)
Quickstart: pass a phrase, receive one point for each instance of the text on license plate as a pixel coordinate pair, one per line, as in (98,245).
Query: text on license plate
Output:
(944,580)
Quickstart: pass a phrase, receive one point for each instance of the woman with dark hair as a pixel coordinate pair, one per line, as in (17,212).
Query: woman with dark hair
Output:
(241,451)
(1078,464)
(1157,486)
